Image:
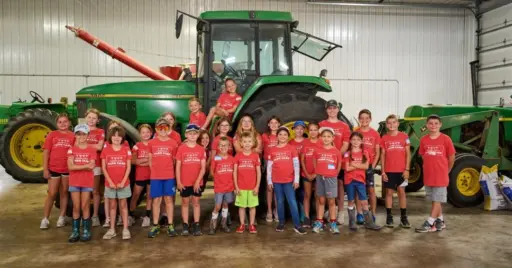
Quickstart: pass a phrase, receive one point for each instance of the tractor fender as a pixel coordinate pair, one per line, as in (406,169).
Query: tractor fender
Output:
(319,84)
(16,108)
(131,131)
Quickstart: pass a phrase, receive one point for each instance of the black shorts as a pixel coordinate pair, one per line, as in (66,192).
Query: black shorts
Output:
(370,178)
(394,180)
(341,175)
(189,191)
(54,174)
(142,184)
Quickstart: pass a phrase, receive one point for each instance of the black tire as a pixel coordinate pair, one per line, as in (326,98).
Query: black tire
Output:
(455,197)
(416,170)
(43,117)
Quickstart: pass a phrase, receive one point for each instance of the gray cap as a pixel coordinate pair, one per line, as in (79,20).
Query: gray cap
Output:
(330,103)
(162,121)
(82,128)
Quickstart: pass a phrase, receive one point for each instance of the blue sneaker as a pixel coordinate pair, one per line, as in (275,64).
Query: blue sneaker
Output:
(155,229)
(360,219)
(317,227)
(334,228)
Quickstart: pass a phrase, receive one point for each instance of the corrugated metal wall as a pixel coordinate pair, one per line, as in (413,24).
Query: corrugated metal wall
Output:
(391,57)
(495,71)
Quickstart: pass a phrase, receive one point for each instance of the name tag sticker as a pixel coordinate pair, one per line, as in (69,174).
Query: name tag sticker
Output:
(330,166)
(217,158)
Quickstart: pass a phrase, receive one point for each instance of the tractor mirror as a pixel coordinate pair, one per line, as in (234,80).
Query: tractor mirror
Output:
(178,25)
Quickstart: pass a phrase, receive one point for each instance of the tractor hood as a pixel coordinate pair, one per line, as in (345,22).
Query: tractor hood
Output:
(417,112)
(140,89)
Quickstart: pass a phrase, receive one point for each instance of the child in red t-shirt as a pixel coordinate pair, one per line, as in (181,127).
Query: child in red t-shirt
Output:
(357,161)
(297,142)
(169,116)
(81,162)
(226,104)
(246,125)
(327,164)
(269,140)
(116,164)
(55,168)
(140,158)
(395,161)
(204,140)
(221,169)
(96,138)
(438,154)
(308,174)
(223,128)
(162,151)
(190,169)
(196,117)
(247,177)
(283,174)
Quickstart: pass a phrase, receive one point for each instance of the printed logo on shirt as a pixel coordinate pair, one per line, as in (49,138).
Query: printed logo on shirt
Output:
(281,156)
(80,158)
(369,141)
(246,164)
(394,145)
(116,161)
(434,150)
(161,151)
(309,151)
(61,142)
(238,98)
(192,157)
(323,157)
(224,168)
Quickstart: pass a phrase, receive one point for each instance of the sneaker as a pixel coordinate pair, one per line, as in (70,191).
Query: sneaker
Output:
(196,229)
(404,223)
(171,232)
(300,230)
(185,231)
(269,217)
(119,221)
(44,224)
(154,231)
(111,233)
(340,219)
(276,216)
(280,227)
(307,223)
(440,225)
(106,224)
(131,220)
(426,228)
(317,227)
(334,228)
(126,234)
(252,229)
(61,222)
(240,229)
(96,221)
(389,221)
(360,219)
(146,222)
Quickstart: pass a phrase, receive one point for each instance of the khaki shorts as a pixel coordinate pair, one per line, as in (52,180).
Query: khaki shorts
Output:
(122,193)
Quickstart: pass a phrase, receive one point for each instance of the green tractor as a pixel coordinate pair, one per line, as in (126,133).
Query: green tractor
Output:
(254,48)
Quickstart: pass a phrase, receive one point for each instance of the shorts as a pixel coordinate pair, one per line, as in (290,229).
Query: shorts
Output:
(189,191)
(161,188)
(54,174)
(326,186)
(97,171)
(142,184)
(220,198)
(395,179)
(246,199)
(370,178)
(305,180)
(122,193)
(436,194)
(73,189)
(341,175)
(356,187)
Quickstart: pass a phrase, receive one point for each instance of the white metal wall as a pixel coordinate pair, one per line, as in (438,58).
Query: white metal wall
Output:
(391,57)
(495,72)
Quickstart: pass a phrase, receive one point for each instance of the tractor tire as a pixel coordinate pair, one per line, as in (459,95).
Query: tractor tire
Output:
(21,144)
(464,188)
(415,178)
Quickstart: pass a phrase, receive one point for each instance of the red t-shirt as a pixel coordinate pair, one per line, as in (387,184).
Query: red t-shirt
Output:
(370,139)
(395,149)
(341,132)
(198,118)
(175,136)
(215,144)
(308,150)
(357,174)
(227,101)
(282,163)
(297,145)
(162,158)
(58,143)
(115,162)
(190,158)
(269,141)
(327,161)
(246,170)
(95,136)
(435,153)
(141,150)
(223,173)
(82,178)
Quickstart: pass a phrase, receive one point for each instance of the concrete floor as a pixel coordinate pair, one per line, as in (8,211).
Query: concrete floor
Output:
(473,238)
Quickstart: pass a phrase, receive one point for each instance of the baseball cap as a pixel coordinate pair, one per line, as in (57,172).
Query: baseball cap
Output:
(283,128)
(162,121)
(331,103)
(82,128)
(330,129)
(192,127)
(299,123)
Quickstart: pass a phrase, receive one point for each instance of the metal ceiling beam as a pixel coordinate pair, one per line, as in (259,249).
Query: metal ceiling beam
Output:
(409,5)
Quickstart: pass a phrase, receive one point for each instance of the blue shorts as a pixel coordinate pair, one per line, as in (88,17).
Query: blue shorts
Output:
(354,187)
(79,189)
(159,188)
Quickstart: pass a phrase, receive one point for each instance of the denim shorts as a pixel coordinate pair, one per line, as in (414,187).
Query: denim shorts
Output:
(220,198)
(79,189)
(356,187)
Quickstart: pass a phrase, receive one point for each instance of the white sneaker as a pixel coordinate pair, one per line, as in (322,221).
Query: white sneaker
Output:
(146,222)
(340,218)
(126,234)
(61,222)
(44,224)
(111,233)
(107,223)
(131,220)
(276,216)
(95,221)
(119,221)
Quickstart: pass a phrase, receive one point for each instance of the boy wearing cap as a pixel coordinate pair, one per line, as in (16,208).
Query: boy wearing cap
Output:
(162,151)
(190,169)
(81,162)
(341,141)
(438,154)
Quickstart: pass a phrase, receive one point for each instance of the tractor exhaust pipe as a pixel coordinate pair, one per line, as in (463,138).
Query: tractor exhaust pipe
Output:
(474,81)
(117,53)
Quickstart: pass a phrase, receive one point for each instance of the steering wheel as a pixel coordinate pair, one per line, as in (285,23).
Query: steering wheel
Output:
(228,69)
(36,97)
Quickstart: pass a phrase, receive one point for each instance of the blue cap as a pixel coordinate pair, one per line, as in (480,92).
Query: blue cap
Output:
(82,128)
(192,127)
(299,123)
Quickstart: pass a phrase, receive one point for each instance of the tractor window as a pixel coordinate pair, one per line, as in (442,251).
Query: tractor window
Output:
(311,46)
(273,57)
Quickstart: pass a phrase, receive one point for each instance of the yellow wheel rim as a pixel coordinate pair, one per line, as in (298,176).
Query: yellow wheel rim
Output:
(26,146)
(289,125)
(468,182)
(415,174)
